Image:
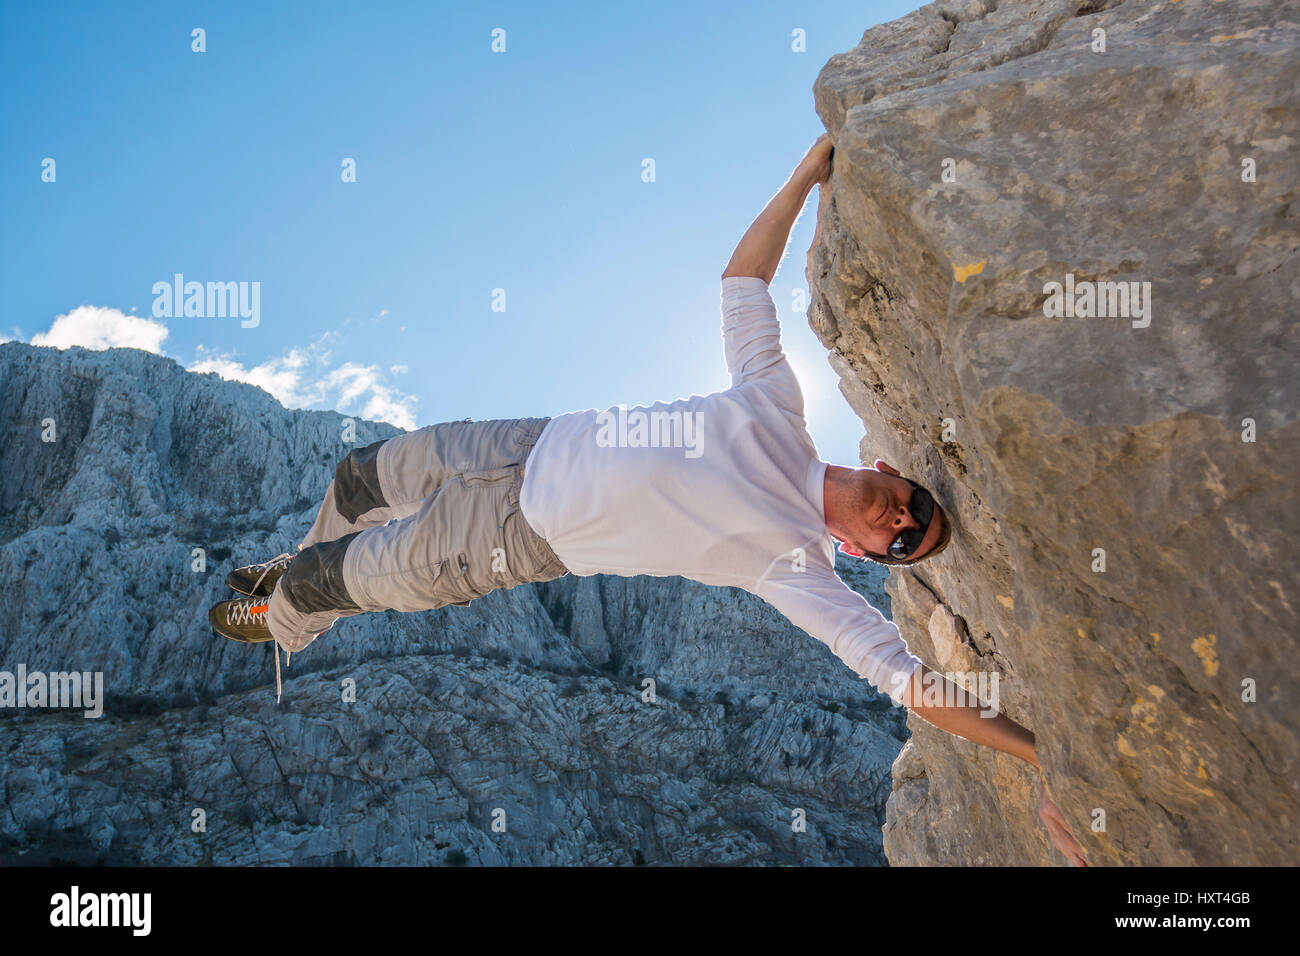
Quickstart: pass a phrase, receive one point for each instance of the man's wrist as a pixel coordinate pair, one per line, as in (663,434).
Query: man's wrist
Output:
(804,178)
(1032,759)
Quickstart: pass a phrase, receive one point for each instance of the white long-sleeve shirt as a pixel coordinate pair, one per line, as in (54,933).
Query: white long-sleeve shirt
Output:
(724,488)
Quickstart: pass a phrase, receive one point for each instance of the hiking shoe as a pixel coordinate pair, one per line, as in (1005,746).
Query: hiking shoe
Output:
(258,580)
(242,620)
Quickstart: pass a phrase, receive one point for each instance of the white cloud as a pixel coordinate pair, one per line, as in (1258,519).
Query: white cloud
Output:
(399,369)
(303,379)
(97,327)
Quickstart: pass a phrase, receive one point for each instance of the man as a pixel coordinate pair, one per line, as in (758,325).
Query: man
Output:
(725,488)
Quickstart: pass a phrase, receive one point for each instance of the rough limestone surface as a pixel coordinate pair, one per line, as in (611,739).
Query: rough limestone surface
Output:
(519,729)
(1161,675)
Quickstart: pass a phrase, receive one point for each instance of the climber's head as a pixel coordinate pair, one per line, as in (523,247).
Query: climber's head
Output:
(892,520)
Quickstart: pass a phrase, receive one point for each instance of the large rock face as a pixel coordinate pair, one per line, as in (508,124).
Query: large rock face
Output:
(525,708)
(1163,688)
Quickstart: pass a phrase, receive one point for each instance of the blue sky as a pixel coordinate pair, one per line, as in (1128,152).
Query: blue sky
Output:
(475,171)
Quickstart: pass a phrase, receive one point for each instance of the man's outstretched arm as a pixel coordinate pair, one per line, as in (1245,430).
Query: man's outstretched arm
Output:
(760,249)
(960,712)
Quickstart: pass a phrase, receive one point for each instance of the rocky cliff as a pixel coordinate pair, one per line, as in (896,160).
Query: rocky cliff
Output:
(514,730)
(1122,473)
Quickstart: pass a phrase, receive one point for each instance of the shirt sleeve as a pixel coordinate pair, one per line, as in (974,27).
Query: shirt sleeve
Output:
(751,339)
(817,601)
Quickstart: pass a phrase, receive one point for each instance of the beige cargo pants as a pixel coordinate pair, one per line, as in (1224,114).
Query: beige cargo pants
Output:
(416,522)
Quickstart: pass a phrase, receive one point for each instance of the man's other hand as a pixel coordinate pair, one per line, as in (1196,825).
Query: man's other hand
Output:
(1059,830)
(817,162)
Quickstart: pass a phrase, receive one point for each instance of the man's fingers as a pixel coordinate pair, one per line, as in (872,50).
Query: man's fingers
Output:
(1051,814)
(1066,843)
(1059,831)
(1074,853)
(1058,818)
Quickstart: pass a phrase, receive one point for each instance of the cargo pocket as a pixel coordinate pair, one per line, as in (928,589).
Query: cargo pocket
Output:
(526,433)
(455,567)
(475,507)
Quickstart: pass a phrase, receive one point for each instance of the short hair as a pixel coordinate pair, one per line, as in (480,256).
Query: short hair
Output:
(945,536)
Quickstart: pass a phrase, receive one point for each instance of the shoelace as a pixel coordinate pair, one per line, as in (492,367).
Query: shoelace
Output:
(276,651)
(243,612)
(278,561)
(269,566)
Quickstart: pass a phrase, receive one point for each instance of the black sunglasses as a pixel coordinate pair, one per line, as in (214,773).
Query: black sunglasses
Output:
(922,508)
